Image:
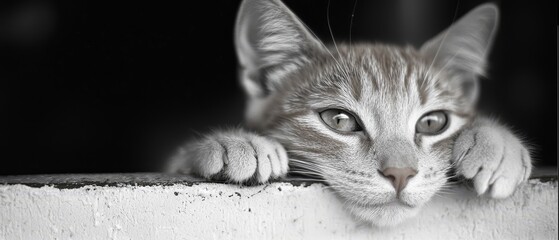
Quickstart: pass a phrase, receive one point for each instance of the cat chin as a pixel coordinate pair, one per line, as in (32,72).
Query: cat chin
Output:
(384,215)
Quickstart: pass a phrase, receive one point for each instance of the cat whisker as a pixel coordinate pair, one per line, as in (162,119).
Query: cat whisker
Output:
(305,179)
(320,42)
(351,23)
(311,167)
(447,190)
(446,186)
(308,169)
(306,173)
(330,27)
(444,38)
(446,64)
(296,163)
(294,169)
(297,168)
(308,164)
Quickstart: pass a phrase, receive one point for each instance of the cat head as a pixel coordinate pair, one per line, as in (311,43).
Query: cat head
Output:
(376,122)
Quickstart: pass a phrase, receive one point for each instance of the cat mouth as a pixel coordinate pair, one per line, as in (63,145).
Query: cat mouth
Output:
(396,202)
(405,204)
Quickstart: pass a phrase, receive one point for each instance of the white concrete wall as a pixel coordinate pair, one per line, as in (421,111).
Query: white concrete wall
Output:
(275,211)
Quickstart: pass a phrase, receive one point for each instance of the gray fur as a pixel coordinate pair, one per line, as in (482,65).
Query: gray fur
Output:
(290,77)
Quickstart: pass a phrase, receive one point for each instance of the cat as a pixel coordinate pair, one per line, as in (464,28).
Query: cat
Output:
(382,125)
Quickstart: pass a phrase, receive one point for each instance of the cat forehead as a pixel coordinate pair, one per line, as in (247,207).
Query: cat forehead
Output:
(398,78)
(366,71)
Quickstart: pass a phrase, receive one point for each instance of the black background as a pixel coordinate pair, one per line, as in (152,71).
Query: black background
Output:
(94,86)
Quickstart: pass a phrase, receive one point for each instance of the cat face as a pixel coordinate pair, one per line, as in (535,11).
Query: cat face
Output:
(385,98)
(348,114)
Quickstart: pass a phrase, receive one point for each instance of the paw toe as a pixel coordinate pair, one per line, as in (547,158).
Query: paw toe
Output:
(209,155)
(264,167)
(526,165)
(481,181)
(241,163)
(502,188)
(283,159)
(486,152)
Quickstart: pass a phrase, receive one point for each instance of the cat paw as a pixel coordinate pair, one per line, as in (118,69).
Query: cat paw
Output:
(493,158)
(237,156)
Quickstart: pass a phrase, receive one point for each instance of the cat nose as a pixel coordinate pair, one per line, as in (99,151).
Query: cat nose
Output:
(399,176)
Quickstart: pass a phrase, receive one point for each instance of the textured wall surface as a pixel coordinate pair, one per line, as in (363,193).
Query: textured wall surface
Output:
(112,207)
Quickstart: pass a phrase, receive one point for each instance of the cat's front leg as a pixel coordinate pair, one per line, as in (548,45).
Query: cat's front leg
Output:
(236,156)
(492,157)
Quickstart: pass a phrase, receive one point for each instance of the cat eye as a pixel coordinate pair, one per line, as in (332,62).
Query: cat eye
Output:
(340,120)
(432,123)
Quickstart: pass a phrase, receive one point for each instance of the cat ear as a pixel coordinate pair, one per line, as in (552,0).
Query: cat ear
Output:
(462,49)
(270,40)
